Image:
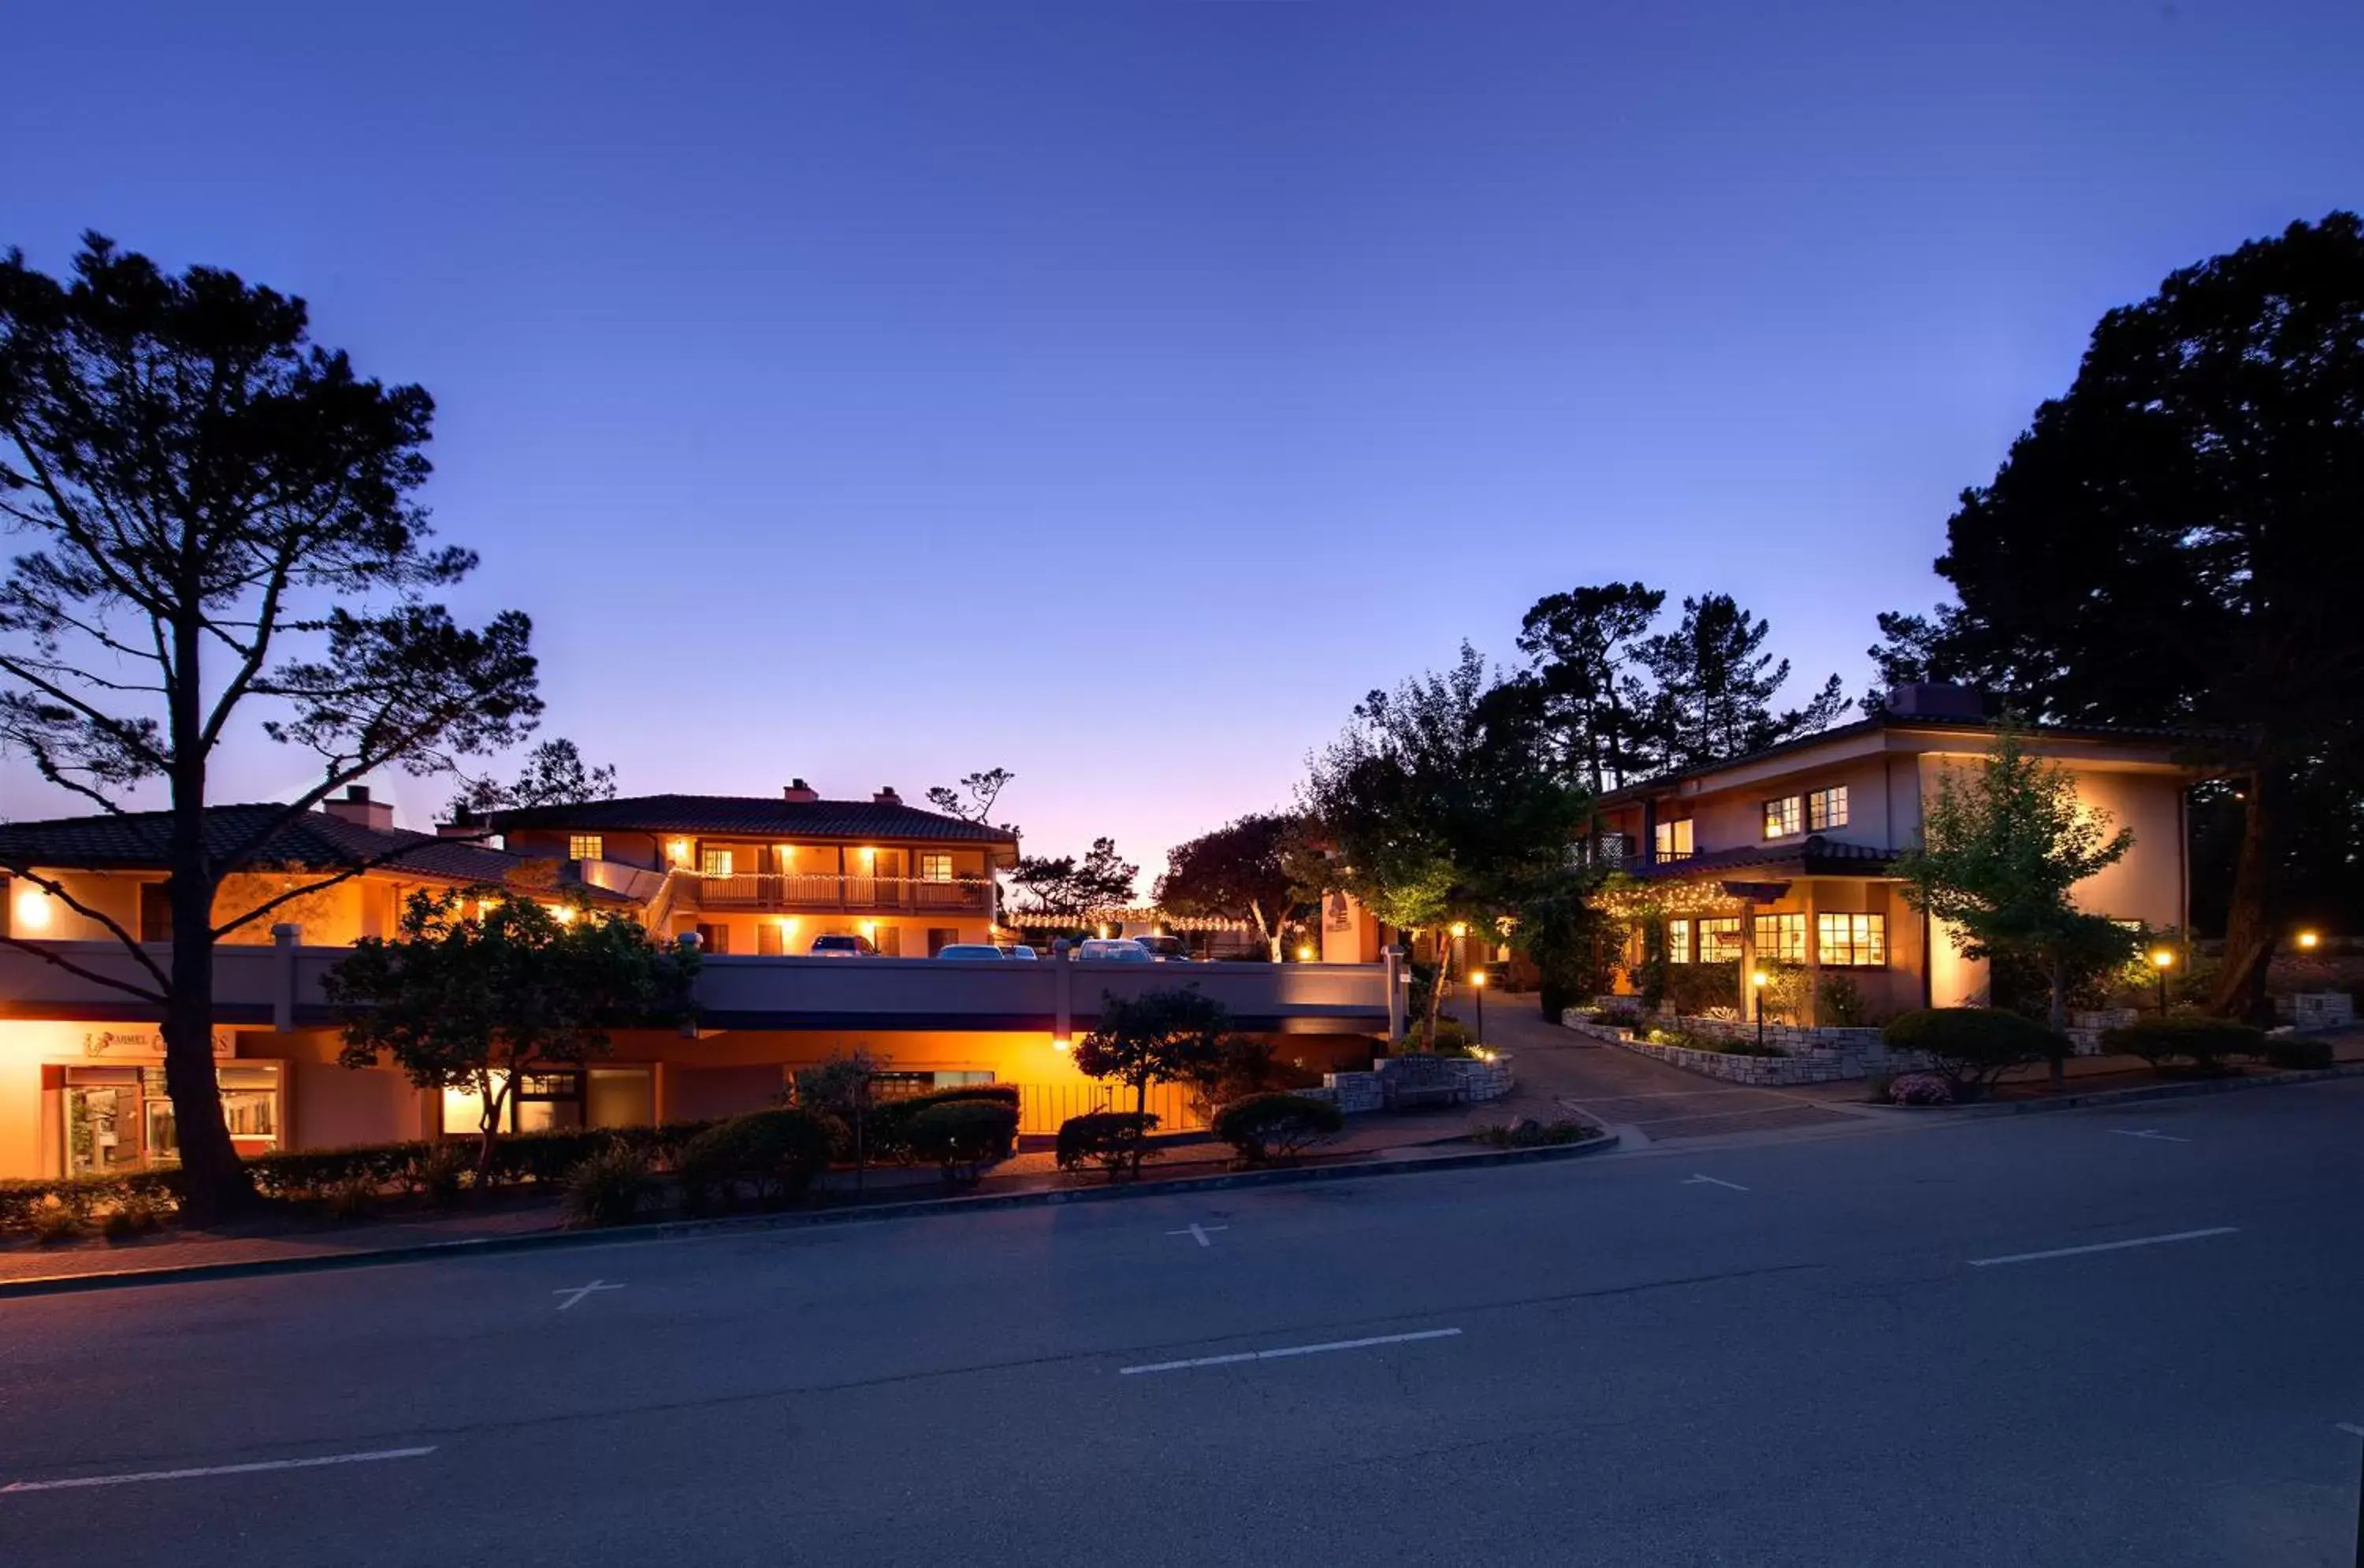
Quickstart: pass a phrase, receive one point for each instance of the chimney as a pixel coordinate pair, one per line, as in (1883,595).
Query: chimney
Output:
(799,790)
(359,810)
(465,823)
(1936,699)
(887,798)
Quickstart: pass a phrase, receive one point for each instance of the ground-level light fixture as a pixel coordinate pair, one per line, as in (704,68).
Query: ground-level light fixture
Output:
(1304,952)
(2161,960)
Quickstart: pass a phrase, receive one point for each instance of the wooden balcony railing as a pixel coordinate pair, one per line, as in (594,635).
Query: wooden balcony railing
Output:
(798,891)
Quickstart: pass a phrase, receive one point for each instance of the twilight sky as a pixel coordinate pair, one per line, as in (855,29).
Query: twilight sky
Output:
(1115,393)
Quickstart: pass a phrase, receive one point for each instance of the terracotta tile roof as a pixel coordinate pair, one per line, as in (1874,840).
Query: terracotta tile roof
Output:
(757,815)
(314,841)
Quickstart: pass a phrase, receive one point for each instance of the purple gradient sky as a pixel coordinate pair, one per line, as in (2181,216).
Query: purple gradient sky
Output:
(1116,393)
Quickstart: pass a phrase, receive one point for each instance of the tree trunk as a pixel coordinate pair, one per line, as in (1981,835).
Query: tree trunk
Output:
(2058,1016)
(216,1186)
(496,1102)
(2240,990)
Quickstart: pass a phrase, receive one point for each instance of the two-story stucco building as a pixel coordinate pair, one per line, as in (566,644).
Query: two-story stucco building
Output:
(763,876)
(1788,856)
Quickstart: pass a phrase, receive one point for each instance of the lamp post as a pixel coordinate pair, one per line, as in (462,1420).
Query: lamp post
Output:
(2161,960)
(1757,980)
(1477,984)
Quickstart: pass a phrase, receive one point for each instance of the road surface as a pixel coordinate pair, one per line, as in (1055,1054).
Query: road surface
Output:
(2079,1338)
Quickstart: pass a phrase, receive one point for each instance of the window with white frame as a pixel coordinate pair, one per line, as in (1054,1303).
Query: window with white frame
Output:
(1851,942)
(715,863)
(1679,941)
(1719,939)
(1781,938)
(935,868)
(1674,840)
(585,847)
(1826,808)
(1782,816)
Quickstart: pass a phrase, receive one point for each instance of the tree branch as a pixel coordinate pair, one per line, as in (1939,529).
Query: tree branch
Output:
(45,956)
(57,891)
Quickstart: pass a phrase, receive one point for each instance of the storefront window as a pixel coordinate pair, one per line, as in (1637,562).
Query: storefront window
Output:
(120,1119)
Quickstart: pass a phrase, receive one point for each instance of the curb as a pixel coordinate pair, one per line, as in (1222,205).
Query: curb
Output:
(682,1230)
(2102,1097)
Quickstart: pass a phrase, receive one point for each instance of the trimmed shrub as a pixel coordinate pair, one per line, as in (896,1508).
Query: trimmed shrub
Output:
(1276,1127)
(440,1173)
(886,1126)
(1972,1047)
(311,1174)
(1741,1045)
(961,1135)
(1839,1002)
(609,1187)
(2204,1043)
(1528,1133)
(1920,1089)
(2297,1052)
(1697,990)
(775,1154)
(1117,1141)
(548,1157)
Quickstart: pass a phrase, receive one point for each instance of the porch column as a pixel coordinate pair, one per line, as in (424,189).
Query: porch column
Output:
(1814,1007)
(1393,955)
(1748,998)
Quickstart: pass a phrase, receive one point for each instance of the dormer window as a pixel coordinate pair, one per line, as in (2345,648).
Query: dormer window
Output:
(1826,808)
(1782,816)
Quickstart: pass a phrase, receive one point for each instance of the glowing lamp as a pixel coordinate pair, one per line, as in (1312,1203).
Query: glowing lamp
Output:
(2309,940)
(1062,1045)
(678,852)
(2162,958)
(1460,930)
(1304,954)
(33,909)
(1478,977)
(562,914)
(1760,978)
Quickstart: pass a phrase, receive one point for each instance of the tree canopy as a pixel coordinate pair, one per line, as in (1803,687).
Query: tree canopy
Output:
(2175,541)
(224,537)
(1581,648)
(1710,687)
(2002,848)
(480,987)
(1063,888)
(1250,870)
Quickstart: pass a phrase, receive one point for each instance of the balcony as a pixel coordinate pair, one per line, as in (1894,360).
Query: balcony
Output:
(794,892)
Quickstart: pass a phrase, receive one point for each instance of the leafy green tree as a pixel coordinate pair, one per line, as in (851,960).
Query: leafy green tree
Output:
(1573,944)
(2175,541)
(1441,802)
(480,987)
(1066,889)
(222,531)
(1710,689)
(1580,648)
(2001,850)
(1247,870)
(1159,1037)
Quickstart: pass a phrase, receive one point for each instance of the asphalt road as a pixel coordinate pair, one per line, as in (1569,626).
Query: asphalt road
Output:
(1870,1349)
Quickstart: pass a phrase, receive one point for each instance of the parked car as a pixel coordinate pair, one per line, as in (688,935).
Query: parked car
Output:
(843,946)
(1112,949)
(1165,950)
(1021,951)
(970,949)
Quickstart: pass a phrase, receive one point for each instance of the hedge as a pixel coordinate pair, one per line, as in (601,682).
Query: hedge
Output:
(2205,1042)
(1116,1140)
(1974,1046)
(1277,1126)
(777,1153)
(961,1135)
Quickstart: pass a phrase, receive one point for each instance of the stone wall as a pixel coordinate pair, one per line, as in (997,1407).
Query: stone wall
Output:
(1357,1093)
(1814,1056)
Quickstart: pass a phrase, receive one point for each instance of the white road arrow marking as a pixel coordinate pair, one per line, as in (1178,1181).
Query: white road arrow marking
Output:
(576,1294)
(1199,1232)
(1716,1181)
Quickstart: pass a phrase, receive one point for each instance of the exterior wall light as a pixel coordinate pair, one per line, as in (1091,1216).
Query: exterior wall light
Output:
(33,910)
(2309,940)
(1304,952)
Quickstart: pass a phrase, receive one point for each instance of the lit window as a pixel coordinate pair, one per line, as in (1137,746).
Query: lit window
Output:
(714,862)
(1781,938)
(1827,808)
(1675,839)
(1781,815)
(1679,941)
(935,868)
(1719,939)
(1851,942)
(585,847)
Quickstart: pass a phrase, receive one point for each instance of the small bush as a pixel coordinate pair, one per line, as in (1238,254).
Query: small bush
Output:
(1743,1045)
(961,1135)
(2205,1042)
(1876,1086)
(1839,1002)
(312,1175)
(61,1217)
(1276,1127)
(609,1187)
(1972,1047)
(1697,990)
(775,1154)
(354,1199)
(1920,1089)
(1528,1133)
(548,1157)
(1117,1141)
(886,1126)
(1625,1014)
(138,1210)
(440,1173)
(2297,1052)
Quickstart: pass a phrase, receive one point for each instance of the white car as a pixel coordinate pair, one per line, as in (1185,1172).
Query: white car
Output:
(1112,949)
(1021,951)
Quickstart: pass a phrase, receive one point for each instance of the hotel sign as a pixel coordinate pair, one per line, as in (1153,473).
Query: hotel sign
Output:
(113,1044)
